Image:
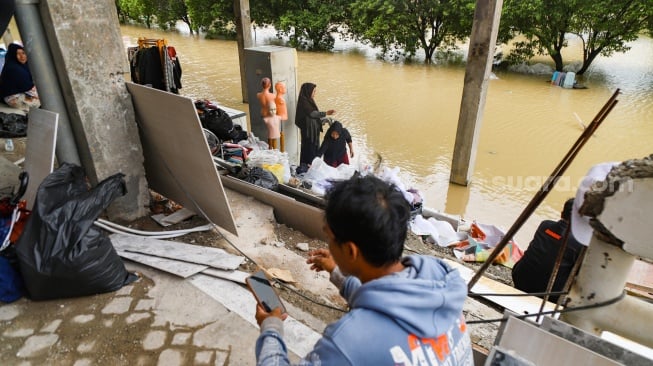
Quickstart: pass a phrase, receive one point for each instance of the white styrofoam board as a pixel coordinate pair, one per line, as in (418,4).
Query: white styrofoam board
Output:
(299,338)
(177,268)
(212,257)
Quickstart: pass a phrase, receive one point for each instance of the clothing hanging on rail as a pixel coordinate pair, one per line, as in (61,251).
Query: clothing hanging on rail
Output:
(156,64)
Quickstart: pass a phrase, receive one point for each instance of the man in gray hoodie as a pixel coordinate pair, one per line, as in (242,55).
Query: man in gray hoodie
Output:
(403,310)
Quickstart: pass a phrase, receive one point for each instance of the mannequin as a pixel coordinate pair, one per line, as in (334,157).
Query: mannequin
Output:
(273,123)
(265,97)
(282,110)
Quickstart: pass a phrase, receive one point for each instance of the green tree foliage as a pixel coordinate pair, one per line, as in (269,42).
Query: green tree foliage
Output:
(401,27)
(308,24)
(542,26)
(168,12)
(140,11)
(215,17)
(606,26)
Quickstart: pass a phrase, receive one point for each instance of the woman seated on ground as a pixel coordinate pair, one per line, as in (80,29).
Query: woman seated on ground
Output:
(334,146)
(16,85)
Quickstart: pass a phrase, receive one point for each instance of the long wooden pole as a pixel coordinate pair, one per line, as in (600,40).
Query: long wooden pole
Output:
(547,186)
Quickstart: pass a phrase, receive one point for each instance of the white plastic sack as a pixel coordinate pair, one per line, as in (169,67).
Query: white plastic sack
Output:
(441,232)
(262,158)
(320,171)
(392,176)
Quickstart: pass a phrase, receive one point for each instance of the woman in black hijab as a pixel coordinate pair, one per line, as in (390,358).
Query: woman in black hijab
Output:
(309,120)
(16,85)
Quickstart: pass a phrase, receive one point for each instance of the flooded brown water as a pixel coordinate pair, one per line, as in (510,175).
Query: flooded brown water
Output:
(409,113)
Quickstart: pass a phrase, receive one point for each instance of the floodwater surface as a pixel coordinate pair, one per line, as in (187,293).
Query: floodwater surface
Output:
(408,113)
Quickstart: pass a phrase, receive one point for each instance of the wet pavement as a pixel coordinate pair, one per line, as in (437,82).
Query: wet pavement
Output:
(159,320)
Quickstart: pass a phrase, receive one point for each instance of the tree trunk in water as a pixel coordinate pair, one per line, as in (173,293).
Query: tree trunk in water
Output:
(586,64)
(189,25)
(557,58)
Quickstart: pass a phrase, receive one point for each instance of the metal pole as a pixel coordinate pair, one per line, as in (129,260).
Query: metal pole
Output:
(547,186)
(42,67)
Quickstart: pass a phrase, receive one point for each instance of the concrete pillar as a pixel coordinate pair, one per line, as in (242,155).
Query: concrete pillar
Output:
(244,39)
(90,61)
(39,55)
(620,208)
(479,65)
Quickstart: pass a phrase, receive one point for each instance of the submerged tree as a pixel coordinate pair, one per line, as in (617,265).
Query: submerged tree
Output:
(170,11)
(141,11)
(308,24)
(542,26)
(401,27)
(604,26)
(212,16)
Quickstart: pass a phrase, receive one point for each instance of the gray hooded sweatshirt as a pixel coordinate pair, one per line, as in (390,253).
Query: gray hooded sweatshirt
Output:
(410,318)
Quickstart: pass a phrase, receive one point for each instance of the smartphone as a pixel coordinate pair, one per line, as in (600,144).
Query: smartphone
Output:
(263,292)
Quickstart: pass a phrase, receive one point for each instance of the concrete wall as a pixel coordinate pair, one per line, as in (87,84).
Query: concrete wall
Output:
(90,60)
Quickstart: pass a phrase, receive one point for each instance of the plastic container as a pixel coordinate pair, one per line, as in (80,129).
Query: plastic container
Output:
(9,145)
(570,79)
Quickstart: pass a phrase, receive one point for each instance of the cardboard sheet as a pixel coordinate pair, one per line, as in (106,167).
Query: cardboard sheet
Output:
(178,161)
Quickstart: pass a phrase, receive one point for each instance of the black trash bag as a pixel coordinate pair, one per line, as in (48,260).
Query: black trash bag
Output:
(217,121)
(13,125)
(61,254)
(260,177)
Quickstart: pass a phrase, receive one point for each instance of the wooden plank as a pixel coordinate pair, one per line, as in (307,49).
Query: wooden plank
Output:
(543,348)
(178,161)
(175,267)
(518,304)
(641,275)
(212,257)
(39,150)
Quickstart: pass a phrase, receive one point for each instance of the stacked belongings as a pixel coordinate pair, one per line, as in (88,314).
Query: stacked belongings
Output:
(61,254)
(13,215)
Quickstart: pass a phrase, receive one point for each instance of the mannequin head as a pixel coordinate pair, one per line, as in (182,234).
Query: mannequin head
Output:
(272,108)
(266,83)
(280,88)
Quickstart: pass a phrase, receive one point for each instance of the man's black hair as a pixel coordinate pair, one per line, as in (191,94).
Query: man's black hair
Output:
(566,210)
(371,213)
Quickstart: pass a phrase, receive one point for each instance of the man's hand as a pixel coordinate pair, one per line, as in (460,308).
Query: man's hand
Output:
(261,314)
(321,260)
